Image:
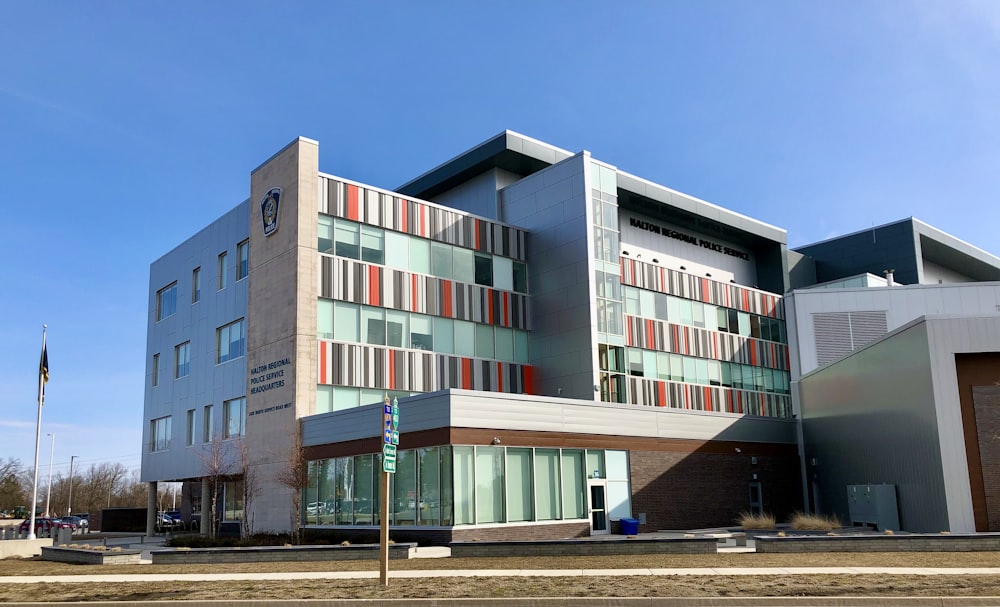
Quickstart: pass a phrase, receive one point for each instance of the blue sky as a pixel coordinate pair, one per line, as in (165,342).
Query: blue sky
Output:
(127,126)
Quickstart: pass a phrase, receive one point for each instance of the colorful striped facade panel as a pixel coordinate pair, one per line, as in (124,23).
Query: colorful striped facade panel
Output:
(362,283)
(655,393)
(366,366)
(703,343)
(681,284)
(386,210)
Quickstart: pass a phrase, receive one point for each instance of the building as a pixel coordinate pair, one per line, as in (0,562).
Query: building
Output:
(569,345)
(896,383)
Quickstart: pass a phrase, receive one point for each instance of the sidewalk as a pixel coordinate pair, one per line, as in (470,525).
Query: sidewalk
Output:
(442,573)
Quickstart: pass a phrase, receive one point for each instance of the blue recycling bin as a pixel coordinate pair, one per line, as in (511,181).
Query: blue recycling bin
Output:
(630,526)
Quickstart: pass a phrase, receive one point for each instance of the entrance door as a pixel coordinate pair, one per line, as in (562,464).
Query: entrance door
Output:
(597,491)
(756,499)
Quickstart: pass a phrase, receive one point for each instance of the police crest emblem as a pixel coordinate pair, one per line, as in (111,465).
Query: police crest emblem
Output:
(269,210)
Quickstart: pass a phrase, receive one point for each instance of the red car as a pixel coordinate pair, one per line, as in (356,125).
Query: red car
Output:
(45,526)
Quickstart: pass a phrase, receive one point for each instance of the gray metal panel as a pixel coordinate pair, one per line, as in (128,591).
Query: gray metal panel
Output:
(871,418)
(497,411)
(208,383)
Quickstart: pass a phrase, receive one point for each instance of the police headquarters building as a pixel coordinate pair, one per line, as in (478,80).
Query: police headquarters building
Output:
(569,344)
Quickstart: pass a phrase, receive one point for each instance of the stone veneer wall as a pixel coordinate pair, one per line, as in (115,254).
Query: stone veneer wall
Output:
(983,542)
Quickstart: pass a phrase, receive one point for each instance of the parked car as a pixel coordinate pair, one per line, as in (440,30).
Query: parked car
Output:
(45,526)
(165,522)
(81,523)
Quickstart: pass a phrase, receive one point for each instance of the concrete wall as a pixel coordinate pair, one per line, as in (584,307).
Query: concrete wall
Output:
(281,335)
(479,194)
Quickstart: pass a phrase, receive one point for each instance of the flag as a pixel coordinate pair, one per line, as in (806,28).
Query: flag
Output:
(43,365)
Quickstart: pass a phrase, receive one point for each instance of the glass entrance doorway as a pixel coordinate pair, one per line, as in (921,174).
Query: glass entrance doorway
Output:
(597,493)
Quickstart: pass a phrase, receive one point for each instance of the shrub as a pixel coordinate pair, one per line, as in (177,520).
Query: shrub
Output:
(814,522)
(756,521)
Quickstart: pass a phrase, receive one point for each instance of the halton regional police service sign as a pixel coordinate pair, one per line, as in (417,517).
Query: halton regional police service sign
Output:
(269,210)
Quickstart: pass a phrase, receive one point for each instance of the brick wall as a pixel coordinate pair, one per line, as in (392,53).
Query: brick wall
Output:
(697,490)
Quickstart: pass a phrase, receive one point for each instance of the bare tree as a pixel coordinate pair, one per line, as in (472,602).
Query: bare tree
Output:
(218,466)
(293,474)
(250,486)
(12,491)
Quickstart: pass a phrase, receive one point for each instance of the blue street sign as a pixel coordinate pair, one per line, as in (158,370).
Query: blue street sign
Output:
(387,409)
(387,436)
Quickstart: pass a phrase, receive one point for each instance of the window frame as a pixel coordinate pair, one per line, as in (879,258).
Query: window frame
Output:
(166,299)
(184,347)
(242,260)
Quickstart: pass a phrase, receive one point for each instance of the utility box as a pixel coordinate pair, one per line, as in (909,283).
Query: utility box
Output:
(874,505)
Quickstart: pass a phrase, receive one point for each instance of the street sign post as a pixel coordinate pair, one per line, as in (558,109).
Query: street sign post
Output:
(390,438)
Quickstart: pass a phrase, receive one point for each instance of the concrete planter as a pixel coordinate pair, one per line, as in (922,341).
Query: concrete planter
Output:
(915,542)
(264,554)
(583,547)
(89,556)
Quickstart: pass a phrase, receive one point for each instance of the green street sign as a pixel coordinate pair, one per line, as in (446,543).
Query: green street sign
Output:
(394,439)
(389,451)
(388,465)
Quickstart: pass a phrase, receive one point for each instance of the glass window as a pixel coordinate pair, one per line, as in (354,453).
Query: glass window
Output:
(196,285)
(701,369)
(446,486)
(464,265)
(698,314)
(547,485)
(573,484)
(441,260)
(520,495)
(207,429)
(463,466)
(723,319)
(342,500)
(611,357)
(421,337)
(690,370)
(346,398)
(484,341)
(243,260)
(711,317)
(726,373)
(166,301)
(647,303)
(662,365)
(714,373)
(182,360)
(748,381)
(631,295)
(684,306)
(234,417)
(615,320)
(372,244)
(504,343)
(489,485)
(365,491)
(324,399)
(396,331)
(404,502)
(347,241)
(676,367)
(444,335)
(595,463)
(520,271)
(397,250)
(231,341)
(635,362)
(373,325)
(755,326)
(159,434)
(484,269)
(223,270)
(324,319)
(324,240)
(503,273)
(521,347)
(649,363)
(345,322)
(673,309)
(429,492)
(465,338)
(189,430)
(156,370)
(420,255)
(744,323)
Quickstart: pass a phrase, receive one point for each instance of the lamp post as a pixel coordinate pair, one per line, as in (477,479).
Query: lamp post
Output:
(69,502)
(48,492)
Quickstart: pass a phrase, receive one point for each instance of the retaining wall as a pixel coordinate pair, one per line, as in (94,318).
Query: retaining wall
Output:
(701,545)
(977,542)
(266,554)
(84,556)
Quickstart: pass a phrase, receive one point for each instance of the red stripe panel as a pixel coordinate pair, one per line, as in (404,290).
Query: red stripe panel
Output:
(499,377)
(374,286)
(661,394)
(322,362)
(489,306)
(403,205)
(506,321)
(708,398)
(352,202)
(446,297)
(753,352)
(704,290)
(467,373)
(649,340)
(413,292)
(529,379)
(475,230)
(422,210)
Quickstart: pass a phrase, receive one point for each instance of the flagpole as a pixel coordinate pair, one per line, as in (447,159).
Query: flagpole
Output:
(38,436)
